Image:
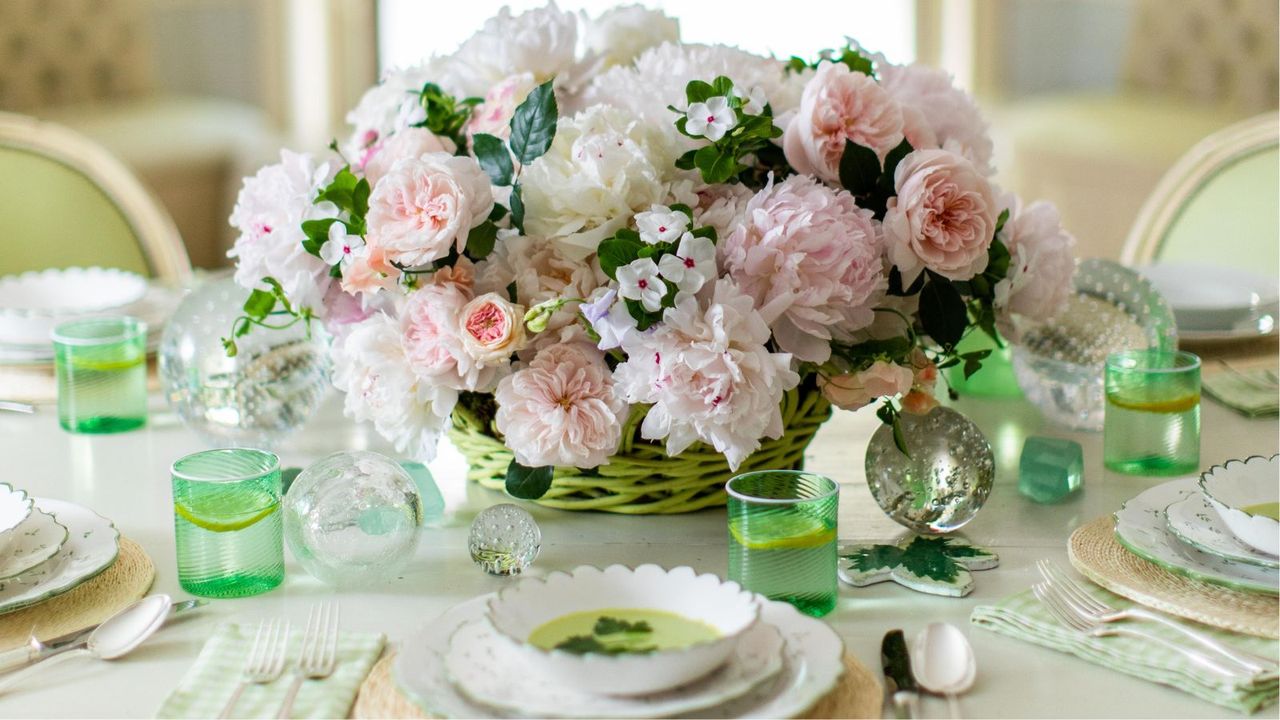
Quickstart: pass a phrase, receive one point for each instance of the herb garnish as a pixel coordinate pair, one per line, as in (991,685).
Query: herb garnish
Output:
(611,636)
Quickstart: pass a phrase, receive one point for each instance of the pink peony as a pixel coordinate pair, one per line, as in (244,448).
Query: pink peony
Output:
(951,115)
(540,272)
(426,204)
(433,342)
(492,329)
(838,105)
(854,390)
(561,410)
(942,218)
(493,116)
(408,143)
(811,260)
(1041,266)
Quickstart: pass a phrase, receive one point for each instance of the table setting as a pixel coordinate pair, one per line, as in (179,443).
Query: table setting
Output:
(642,387)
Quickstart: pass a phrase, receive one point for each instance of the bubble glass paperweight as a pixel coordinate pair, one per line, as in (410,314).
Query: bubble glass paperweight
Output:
(504,539)
(352,518)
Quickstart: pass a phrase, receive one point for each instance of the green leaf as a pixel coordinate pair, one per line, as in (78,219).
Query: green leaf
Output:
(874,557)
(528,483)
(360,198)
(611,625)
(533,126)
(616,252)
(859,168)
(480,240)
(260,304)
(899,439)
(857,62)
(1000,221)
(497,213)
(698,91)
(493,157)
(722,86)
(317,234)
(895,284)
(942,311)
(997,261)
(517,208)
(229,346)
(891,165)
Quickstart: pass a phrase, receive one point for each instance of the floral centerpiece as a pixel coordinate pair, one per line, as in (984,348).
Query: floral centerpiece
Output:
(586,261)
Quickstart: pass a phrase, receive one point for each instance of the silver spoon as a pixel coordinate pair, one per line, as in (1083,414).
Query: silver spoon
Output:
(116,637)
(943,662)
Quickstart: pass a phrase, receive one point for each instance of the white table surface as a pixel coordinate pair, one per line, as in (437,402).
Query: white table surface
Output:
(125,477)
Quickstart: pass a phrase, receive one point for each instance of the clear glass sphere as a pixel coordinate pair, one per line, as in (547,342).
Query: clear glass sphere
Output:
(504,539)
(352,518)
(269,389)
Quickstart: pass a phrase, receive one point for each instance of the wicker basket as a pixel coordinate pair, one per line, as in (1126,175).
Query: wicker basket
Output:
(641,479)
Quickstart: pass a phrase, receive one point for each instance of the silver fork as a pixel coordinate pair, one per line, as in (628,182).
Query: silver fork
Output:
(319,655)
(1069,618)
(1098,611)
(265,662)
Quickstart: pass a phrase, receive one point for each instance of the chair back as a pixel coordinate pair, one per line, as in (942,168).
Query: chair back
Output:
(68,202)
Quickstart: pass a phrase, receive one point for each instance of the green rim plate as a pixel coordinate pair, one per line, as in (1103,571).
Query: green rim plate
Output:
(92,546)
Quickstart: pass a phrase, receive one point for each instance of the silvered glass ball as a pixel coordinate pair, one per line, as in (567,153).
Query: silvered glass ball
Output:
(352,518)
(945,480)
(504,539)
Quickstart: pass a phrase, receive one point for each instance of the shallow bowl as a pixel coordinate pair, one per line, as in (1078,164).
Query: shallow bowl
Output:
(15,508)
(32,303)
(519,610)
(1238,484)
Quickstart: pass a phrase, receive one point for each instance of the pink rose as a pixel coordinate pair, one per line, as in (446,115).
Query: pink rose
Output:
(838,105)
(1041,265)
(942,218)
(854,390)
(425,205)
(492,329)
(433,342)
(810,258)
(561,410)
(493,116)
(408,143)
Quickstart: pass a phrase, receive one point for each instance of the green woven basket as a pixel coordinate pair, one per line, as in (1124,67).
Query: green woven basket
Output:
(641,479)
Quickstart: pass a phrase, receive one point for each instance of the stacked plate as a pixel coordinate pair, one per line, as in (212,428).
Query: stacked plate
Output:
(1190,526)
(1213,303)
(32,303)
(764,659)
(48,547)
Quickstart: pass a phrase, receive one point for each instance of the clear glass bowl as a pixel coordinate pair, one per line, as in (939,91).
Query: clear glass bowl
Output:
(1059,362)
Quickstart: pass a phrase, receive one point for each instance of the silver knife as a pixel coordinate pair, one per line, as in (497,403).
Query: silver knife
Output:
(900,681)
(36,649)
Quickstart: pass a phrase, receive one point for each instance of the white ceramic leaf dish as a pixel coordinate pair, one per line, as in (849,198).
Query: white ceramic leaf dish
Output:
(1194,521)
(38,538)
(15,508)
(1236,485)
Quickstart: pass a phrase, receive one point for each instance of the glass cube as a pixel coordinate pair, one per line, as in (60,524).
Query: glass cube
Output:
(1050,469)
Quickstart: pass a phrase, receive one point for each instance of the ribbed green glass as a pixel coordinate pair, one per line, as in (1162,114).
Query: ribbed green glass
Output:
(101,366)
(1152,422)
(782,537)
(227,522)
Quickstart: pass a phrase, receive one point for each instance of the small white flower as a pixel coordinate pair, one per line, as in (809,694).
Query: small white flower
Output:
(661,224)
(692,264)
(639,281)
(753,99)
(341,247)
(711,119)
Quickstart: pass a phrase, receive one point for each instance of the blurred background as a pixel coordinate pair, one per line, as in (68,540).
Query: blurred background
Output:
(1090,101)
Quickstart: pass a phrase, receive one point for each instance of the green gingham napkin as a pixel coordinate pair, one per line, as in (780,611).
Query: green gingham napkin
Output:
(209,683)
(1023,617)
(1251,393)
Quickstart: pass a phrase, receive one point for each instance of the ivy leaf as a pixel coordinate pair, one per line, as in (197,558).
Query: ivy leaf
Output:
(260,304)
(480,240)
(493,157)
(973,361)
(517,208)
(616,252)
(528,483)
(533,126)
(859,169)
(942,311)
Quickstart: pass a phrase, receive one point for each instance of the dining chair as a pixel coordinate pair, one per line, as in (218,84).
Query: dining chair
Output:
(1218,204)
(68,202)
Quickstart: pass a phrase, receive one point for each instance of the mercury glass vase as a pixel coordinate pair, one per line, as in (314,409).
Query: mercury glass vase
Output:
(942,483)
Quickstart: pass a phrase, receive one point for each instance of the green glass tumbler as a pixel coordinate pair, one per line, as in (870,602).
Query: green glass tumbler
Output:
(1152,421)
(101,366)
(782,537)
(227,522)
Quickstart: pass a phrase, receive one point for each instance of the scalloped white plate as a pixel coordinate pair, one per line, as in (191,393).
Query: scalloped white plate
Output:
(1197,524)
(38,538)
(33,302)
(15,508)
(92,545)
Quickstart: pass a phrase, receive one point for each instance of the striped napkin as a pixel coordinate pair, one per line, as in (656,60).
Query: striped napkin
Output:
(1021,616)
(209,683)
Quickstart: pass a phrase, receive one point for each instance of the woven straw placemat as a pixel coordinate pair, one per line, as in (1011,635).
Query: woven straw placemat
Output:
(92,602)
(858,695)
(1096,553)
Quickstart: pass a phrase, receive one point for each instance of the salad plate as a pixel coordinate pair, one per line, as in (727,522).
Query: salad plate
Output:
(15,508)
(37,539)
(1141,527)
(1194,521)
(92,545)
(1217,303)
(811,666)
(34,348)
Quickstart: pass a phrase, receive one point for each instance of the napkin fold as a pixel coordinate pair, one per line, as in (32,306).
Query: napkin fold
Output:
(218,669)
(1250,392)
(1022,616)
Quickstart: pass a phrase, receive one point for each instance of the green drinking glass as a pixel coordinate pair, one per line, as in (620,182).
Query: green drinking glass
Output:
(1152,422)
(782,537)
(227,522)
(101,366)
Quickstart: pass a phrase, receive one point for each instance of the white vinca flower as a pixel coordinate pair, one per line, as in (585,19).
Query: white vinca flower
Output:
(609,318)
(661,224)
(692,264)
(711,119)
(341,247)
(753,99)
(640,281)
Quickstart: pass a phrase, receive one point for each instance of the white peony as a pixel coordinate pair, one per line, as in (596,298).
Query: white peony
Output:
(603,166)
(269,213)
(540,272)
(620,34)
(389,107)
(370,367)
(1041,266)
(709,376)
(542,41)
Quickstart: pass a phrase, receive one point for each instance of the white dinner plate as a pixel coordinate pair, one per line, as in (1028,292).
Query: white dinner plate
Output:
(486,668)
(37,539)
(1217,303)
(1141,527)
(92,545)
(33,302)
(1194,521)
(812,663)
(154,308)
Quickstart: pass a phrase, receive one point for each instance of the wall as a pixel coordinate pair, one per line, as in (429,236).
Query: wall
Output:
(1063,45)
